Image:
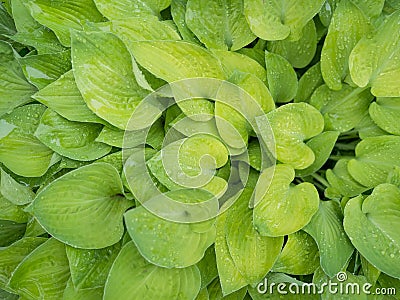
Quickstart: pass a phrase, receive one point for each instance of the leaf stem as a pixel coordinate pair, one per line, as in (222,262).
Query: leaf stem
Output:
(320,179)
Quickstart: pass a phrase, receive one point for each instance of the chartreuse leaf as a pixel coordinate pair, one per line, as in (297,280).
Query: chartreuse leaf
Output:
(368,128)
(292,124)
(299,256)
(90,267)
(61,16)
(233,62)
(281,77)
(371,8)
(105,80)
(282,208)
(14,89)
(178,12)
(64,98)
(343,109)
(166,243)
(276,20)
(41,70)
(230,278)
(322,146)
(308,83)
(43,274)
(341,182)
(385,112)
(11,212)
(347,27)
(252,254)
(375,158)
(375,60)
(327,230)
(121,9)
(219,24)
(215,292)
(18,143)
(132,276)
(94,202)
(208,267)
(13,191)
(70,293)
(370,272)
(11,256)
(299,53)
(71,139)
(369,224)
(203,295)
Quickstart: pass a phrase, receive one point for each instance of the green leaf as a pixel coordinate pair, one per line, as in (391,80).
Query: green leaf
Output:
(375,60)
(385,112)
(343,109)
(11,256)
(371,8)
(347,27)
(308,83)
(375,158)
(322,146)
(121,9)
(166,243)
(178,12)
(71,139)
(281,77)
(43,273)
(105,80)
(14,89)
(131,276)
(11,212)
(10,232)
(341,182)
(230,278)
(63,97)
(299,53)
(90,267)
(219,24)
(369,224)
(300,255)
(7,25)
(8,296)
(215,292)
(370,272)
(61,16)
(174,60)
(41,70)
(18,143)
(252,254)
(327,230)
(367,128)
(93,203)
(292,124)
(208,267)
(13,191)
(70,293)
(276,20)
(282,208)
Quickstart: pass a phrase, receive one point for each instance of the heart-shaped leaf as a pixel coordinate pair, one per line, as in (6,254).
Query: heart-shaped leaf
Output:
(385,112)
(281,208)
(343,109)
(292,124)
(219,24)
(375,158)
(327,230)
(369,223)
(94,207)
(375,60)
(105,81)
(18,143)
(166,243)
(276,20)
(252,254)
(131,276)
(70,139)
(43,273)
